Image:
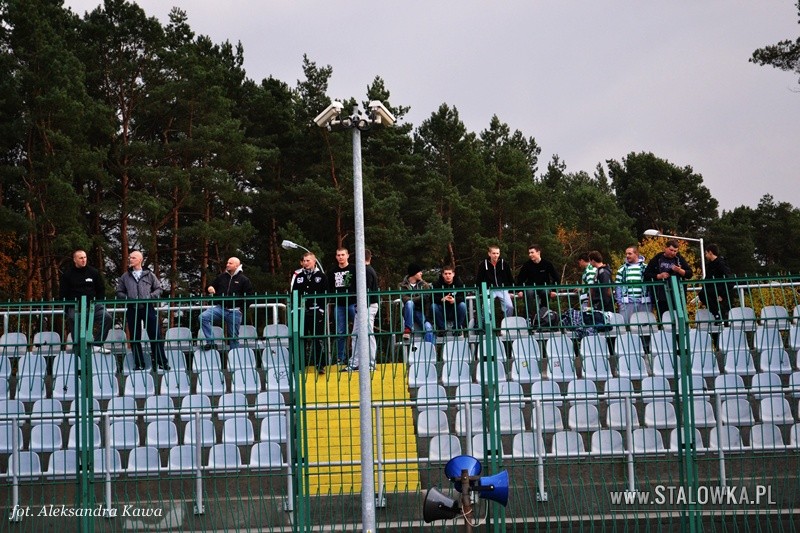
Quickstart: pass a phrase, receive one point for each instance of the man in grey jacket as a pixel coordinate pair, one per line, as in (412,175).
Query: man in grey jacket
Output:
(140,284)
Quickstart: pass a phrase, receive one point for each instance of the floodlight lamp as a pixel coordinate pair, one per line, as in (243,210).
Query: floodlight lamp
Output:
(652,233)
(289,245)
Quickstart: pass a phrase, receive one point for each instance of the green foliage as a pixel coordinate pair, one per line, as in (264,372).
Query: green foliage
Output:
(784,55)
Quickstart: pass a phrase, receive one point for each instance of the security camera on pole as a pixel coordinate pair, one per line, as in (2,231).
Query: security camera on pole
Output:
(358,121)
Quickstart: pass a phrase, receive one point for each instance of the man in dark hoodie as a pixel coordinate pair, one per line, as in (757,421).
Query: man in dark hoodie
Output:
(537,271)
(716,295)
(496,272)
(232,282)
(310,281)
(141,284)
(84,280)
(663,266)
(449,305)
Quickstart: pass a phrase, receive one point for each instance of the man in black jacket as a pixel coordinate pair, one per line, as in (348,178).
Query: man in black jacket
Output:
(662,267)
(537,271)
(496,272)
(449,305)
(78,280)
(716,295)
(232,282)
(309,280)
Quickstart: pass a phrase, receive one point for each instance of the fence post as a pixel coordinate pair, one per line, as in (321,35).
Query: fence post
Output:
(81,331)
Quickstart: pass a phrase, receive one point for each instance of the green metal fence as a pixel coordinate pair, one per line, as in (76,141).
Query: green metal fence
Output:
(682,421)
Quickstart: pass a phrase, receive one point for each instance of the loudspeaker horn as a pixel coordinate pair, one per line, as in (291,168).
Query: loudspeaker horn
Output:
(454,467)
(494,487)
(437,506)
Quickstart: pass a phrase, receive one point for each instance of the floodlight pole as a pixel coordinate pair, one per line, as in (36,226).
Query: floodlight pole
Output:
(656,233)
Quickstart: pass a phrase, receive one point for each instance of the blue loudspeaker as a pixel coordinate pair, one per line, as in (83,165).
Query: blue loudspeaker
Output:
(454,467)
(494,488)
(437,506)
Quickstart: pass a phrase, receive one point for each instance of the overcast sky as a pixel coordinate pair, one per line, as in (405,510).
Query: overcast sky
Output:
(590,81)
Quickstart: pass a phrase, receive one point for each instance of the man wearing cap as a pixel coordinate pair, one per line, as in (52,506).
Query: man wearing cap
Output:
(413,303)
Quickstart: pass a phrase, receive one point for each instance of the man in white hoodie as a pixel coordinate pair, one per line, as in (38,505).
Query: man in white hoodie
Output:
(631,295)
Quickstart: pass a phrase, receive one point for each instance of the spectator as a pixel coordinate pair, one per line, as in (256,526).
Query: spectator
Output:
(309,281)
(79,280)
(138,283)
(631,294)
(495,272)
(413,303)
(342,283)
(537,271)
(716,295)
(588,277)
(662,267)
(372,303)
(601,297)
(232,282)
(450,305)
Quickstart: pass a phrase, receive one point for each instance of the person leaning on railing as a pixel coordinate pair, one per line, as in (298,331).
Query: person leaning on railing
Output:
(662,267)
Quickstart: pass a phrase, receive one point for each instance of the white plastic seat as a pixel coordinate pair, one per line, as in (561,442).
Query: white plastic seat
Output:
(31,364)
(12,409)
(703,414)
(277,358)
(583,417)
(740,363)
(444,447)
(469,421)
(45,437)
(775,316)
(225,456)
(422,352)
(548,391)
(794,436)
(766,437)
(765,384)
(161,434)
(105,386)
(72,411)
(664,365)
(656,387)
(628,344)
(704,364)
(511,393)
(248,337)
(647,440)
(743,318)
(568,444)
(238,430)
(525,445)
(129,364)
(514,327)
(794,384)
(7,430)
(277,379)
(432,397)
(30,388)
(29,466)
(217,338)
(705,321)
(673,441)
(13,344)
(179,338)
(5,368)
(456,350)
(583,391)
(616,323)
(432,422)
(47,410)
(616,417)
(561,369)
(727,437)
(469,394)
(733,340)
(794,337)
(116,341)
(616,388)
(596,368)
(643,323)
(276,334)
(140,385)
(631,367)
(767,338)
(607,442)
(486,372)
(65,364)
(559,346)
(72,438)
(499,350)
(266,456)
(63,465)
(455,373)
(268,402)
(730,386)
(662,343)
(511,420)
(104,363)
(246,381)
(594,346)
(47,343)
(525,371)
(144,461)
(775,410)
(775,360)
(660,414)
(208,435)
(526,348)
(700,341)
(552,419)
(121,408)
(420,374)
(195,402)
(124,435)
(231,405)
(176,360)
(182,459)
(175,383)
(158,408)
(736,413)
(206,360)
(273,428)
(479,449)
(210,382)
(241,358)
(697,384)
(102,467)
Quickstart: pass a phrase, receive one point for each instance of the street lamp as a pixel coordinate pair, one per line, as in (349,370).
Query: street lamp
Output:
(656,233)
(357,122)
(289,245)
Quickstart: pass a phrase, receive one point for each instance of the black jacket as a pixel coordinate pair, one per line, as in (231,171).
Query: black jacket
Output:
(307,283)
(86,281)
(660,263)
(457,287)
(235,285)
(498,275)
(541,273)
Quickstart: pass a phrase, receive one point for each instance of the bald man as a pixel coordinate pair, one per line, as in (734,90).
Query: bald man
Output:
(140,284)
(232,282)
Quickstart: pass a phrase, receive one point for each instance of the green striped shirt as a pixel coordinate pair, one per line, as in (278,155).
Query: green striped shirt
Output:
(629,279)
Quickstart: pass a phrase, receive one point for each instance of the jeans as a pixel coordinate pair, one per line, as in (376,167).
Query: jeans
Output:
(344,315)
(232,318)
(443,312)
(373,344)
(102,319)
(134,317)
(412,316)
(505,299)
